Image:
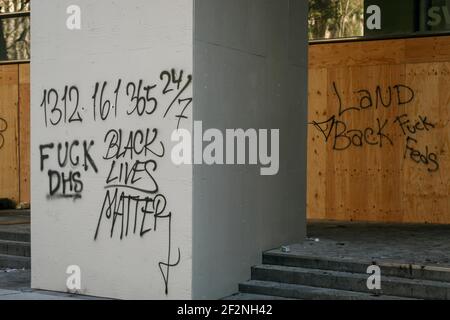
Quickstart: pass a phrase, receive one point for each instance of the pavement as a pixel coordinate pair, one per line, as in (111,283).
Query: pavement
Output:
(401,243)
(420,244)
(15,220)
(16,285)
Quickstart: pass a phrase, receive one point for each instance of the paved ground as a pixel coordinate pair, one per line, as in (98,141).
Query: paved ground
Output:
(15,285)
(15,220)
(18,280)
(415,244)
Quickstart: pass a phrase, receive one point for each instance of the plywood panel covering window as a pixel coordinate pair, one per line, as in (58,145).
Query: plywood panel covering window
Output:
(379,131)
(9,132)
(15,132)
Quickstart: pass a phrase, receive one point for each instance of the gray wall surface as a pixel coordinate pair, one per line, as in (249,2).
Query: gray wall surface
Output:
(250,67)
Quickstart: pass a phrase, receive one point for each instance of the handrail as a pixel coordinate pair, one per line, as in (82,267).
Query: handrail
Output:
(5,62)
(385,37)
(5,15)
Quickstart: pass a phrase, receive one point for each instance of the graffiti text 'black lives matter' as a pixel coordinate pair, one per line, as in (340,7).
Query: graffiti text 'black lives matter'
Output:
(133,204)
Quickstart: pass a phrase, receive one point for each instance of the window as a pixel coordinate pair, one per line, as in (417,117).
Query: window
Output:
(335,19)
(14,30)
(412,17)
(331,19)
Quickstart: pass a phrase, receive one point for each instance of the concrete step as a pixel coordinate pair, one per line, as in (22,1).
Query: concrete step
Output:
(14,262)
(391,286)
(15,248)
(409,271)
(15,236)
(14,212)
(293,291)
(255,297)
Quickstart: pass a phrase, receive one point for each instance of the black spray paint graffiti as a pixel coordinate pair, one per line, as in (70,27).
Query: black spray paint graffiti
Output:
(410,130)
(63,107)
(338,132)
(62,182)
(3,128)
(177,82)
(133,203)
(344,138)
(398,94)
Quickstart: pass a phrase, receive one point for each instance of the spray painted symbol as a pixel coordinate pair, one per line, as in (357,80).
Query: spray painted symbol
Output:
(3,127)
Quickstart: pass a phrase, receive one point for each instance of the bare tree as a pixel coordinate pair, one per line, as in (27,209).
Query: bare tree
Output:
(335,18)
(15,32)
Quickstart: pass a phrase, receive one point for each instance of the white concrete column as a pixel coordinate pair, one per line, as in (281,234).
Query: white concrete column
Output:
(111,82)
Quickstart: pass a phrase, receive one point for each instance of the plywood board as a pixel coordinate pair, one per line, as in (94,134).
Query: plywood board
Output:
(317,147)
(24,132)
(9,159)
(385,124)
(379,52)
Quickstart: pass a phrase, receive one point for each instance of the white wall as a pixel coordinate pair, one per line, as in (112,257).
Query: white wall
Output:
(131,41)
(250,66)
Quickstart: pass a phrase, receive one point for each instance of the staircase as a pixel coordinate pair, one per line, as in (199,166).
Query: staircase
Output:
(15,240)
(291,276)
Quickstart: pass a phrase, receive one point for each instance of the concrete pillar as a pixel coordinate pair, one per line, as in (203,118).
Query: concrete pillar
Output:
(250,71)
(108,200)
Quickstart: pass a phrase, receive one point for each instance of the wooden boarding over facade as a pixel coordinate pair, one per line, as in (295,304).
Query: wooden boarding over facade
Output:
(379,130)
(356,90)
(15,132)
